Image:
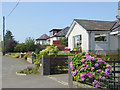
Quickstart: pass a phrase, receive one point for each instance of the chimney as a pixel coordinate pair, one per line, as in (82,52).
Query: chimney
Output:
(118,16)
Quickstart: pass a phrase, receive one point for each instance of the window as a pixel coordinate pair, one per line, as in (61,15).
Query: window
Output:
(101,37)
(77,41)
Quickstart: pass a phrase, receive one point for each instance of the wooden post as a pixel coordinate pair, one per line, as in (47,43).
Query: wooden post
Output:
(114,74)
(3,46)
(46,65)
(70,78)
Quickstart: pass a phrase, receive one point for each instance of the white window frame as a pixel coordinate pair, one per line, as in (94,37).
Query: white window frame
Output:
(102,34)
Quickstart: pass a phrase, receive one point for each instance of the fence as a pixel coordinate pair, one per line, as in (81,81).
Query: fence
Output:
(112,84)
(54,64)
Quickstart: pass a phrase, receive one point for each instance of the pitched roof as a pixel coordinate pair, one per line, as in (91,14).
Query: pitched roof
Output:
(95,25)
(63,32)
(55,30)
(117,24)
(43,37)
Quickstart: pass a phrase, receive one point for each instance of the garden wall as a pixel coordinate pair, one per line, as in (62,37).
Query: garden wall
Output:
(54,64)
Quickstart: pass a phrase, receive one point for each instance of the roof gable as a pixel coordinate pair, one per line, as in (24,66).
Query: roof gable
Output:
(95,25)
(43,37)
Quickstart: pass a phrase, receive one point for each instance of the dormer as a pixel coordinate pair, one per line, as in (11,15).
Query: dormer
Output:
(54,32)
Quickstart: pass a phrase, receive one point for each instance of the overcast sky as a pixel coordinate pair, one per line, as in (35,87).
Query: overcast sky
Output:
(32,19)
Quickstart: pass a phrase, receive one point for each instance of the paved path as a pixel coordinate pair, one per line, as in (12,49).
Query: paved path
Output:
(11,80)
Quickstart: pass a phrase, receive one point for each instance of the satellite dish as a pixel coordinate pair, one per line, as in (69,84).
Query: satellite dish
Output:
(119,5)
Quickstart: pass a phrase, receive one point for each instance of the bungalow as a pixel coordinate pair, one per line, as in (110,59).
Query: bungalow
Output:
(55,34)
(42,39)
(93,35)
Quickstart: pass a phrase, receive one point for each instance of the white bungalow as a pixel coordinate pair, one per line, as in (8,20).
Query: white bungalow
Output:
(94,35)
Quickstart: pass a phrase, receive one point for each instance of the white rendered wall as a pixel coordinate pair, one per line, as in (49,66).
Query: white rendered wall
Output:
(78,30)
(113,42)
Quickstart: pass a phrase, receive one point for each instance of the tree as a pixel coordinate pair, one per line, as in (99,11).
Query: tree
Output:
(30,44)
(10,43)
(20,47)
(64,41)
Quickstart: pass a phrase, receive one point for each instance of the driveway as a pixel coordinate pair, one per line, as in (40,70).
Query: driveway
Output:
(10,80)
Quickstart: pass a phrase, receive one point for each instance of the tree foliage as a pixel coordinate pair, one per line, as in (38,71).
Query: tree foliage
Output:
(30,44)
(20,48)
(64,41)
(10,43)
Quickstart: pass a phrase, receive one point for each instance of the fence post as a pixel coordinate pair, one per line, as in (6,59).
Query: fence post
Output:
(33,57)
(70,78)
(114,74)
(45,64)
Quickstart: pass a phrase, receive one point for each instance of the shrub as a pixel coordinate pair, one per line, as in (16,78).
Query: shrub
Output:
(64,53)
(50,50)
(20,47)
(26,55)
(37,51)
(87,67)
(17,55)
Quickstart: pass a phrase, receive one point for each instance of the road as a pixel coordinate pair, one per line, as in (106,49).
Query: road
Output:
(10,80)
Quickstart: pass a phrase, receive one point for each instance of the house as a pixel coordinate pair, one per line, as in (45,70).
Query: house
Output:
(92,35)
(95,35)
(55,34)
(42,39)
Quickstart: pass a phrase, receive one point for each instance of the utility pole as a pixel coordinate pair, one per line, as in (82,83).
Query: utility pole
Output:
(3,48)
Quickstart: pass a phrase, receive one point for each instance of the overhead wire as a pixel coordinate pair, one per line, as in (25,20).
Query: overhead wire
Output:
(13,8)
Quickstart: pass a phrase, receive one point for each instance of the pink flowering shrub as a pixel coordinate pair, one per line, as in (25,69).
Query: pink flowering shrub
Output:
(67,49)
(86,66)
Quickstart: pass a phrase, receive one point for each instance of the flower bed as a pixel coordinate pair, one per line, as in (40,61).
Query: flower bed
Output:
(89,69)
(28,70)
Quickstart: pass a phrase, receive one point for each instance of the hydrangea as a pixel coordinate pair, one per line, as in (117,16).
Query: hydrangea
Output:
(83,60)
(92,68)
(83,79)
(99,77)
(99,70)
(86,54)
(74,73)
(90,75)
(84,65)
(76,55)
(82,69)
(87,66)
(108,66)
(107,69)
(96,65)
(71,65)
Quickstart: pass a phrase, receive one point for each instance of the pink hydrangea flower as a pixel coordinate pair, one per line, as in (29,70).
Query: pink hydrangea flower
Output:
(96,65)
(87,66)
(74,73)
(92,58)
(84,65)
(92,68)
(86,54)
(83,60)
(82,75)
(71,65)
(99,70)
(108,66)
(83,79)
(90,75)
(82,69)
(76,55)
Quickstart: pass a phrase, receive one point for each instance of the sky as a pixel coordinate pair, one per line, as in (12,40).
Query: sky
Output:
(32,19)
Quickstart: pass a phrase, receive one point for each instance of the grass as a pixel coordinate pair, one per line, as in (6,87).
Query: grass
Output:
(12,53)
(65,53)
